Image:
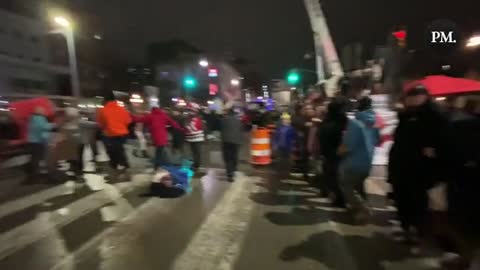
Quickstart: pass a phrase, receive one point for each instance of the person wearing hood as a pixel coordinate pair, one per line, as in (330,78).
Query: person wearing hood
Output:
(357,150)
(330,137)
(38,137)
(157,122)
(415,159)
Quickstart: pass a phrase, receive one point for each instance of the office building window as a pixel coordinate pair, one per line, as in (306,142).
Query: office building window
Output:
(2,30)
(20,56)
(28,84)
(37,59)
(2,52)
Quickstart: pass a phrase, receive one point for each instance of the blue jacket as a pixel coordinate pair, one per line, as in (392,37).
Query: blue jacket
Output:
(284,139)
(369,119)
(360,139)
(38,129)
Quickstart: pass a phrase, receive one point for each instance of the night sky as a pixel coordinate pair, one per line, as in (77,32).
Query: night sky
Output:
(275,34)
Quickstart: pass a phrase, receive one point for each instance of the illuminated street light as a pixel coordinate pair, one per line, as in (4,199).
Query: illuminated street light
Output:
(235,82)
(67,31)
(203,63)
(473,42)
(62,21)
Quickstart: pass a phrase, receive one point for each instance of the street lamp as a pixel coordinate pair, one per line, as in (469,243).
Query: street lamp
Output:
(62,21)
(67,31)
(473,42)
(203,63)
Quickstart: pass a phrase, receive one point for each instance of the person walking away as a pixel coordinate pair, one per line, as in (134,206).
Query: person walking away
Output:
(357,150)
(178,136)
(195,136)
(414,160)
(114,121)
(232,138)
(330,137)
(283,144)
(158,121)
(39,133)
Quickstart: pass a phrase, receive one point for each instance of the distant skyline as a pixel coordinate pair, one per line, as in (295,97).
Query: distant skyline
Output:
(274,34)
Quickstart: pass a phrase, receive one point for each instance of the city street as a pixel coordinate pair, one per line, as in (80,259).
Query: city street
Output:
(258,222)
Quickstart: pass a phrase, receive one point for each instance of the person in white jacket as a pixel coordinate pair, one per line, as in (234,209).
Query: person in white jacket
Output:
(195,136)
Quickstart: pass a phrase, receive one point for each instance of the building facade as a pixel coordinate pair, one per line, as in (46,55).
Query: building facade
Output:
(25,66)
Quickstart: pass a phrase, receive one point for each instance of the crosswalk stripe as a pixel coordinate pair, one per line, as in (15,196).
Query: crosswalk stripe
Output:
(111,240)
(36,198)
(221,236)
(47,222)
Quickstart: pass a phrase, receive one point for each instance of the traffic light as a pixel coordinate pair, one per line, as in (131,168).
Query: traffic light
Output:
(293,77)
(190,83)
(401,38)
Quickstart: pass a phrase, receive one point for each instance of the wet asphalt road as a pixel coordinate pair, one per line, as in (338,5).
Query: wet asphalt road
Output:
(258,222)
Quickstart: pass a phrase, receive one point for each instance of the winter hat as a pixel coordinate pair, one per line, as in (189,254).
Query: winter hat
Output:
(71,112)
(286,116)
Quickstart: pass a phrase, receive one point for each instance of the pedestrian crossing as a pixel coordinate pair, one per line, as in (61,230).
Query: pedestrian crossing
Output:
(122,234)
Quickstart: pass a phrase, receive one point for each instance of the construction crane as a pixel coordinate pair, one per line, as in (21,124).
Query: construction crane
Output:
(326,54)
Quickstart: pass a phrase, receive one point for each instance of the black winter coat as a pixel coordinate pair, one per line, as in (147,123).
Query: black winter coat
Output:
(418,129)
(330,137)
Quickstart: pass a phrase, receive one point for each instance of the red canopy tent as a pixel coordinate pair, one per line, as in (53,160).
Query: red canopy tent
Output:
(439,85)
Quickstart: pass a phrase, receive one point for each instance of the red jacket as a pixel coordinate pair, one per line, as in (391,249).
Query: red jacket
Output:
(157,121)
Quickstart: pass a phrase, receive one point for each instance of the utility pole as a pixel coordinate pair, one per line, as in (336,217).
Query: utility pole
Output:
(324,47)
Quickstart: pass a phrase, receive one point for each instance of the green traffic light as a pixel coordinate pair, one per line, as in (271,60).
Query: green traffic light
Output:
(293,78)
(190,82)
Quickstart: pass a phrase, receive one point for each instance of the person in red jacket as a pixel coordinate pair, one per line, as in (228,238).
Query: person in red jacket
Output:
(195,136)
(157,121)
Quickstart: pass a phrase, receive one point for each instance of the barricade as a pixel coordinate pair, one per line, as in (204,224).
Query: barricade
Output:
(261,153)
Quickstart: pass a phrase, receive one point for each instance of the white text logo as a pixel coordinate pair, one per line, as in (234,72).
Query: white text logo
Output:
(443,37)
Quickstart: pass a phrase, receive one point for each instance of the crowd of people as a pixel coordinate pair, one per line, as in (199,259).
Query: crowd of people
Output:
(113,125)
(435,153)
(433,164)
